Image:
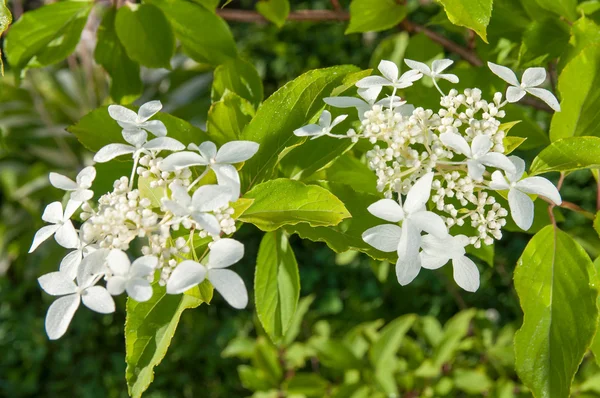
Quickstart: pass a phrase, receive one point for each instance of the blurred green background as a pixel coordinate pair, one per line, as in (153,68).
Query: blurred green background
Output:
(348,298)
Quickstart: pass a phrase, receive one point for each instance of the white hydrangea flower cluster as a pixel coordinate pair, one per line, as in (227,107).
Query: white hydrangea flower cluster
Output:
(438,170)
(166,230)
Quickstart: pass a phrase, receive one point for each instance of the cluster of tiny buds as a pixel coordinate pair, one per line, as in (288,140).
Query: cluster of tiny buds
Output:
(149,167)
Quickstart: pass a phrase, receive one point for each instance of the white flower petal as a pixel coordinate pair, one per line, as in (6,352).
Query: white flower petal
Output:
(180,160)
(164,144)
(448,247)
(224,253)
(185,276)
(429,222)
(62,182)
(228,176)
(384,237)
(408,78)
(118,262)
(66,236)
(325,119)
(57,284)
(373,82)
(533,77)
(139,289)
(475,169)
(456,142)
(98,299)
(418,194)
(545,96)
(136,136)
(521,208)
(230,286)
(211,197)
(143,266)
(175,208)
(111,151)
(519,169)
(309,130)
(60,314)
(208,222)
(91,267)
(344,102)
(409,262)
(338,120)
(42,235)
(432,262)
(387,209)
(82,195)
(465,273)
(122,114)
(498,182)
(180,194)
(148,110)
(514,94)
(369,94)
(418,66)
(540,186)
(389,70)
(208,149)
(439,65)
(449,76)
(156,127)
(53,213)
(481,145)
(499,161)
(71,208)
(504,73)
(236,152)
(116,285)
(70,263)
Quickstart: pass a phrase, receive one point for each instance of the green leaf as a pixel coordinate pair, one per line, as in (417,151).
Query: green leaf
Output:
(568,154)
(307,385)
(294,327)
(542,41)
(146,35)
(97,129)
(240,77)
(565,8)
(205,37)
(276,284)
(348,234)
(228,117)
(374,15)
(390,339)
(351,171)
(474,15)
(578,85)
(49,33)
(126,85)
(511,143)
(392,48)
(149,328)
(595,346)
(472,381)
(289,108)
(288,202)
(597,223)
(584,32)
(554,281)
(275,11)
(5,21)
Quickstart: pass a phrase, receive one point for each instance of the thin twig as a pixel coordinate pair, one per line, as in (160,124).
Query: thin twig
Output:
(552,205)
(336,5)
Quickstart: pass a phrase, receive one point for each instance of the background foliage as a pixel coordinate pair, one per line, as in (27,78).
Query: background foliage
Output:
(356,332)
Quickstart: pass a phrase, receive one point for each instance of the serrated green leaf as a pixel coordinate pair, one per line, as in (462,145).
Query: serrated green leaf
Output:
(554,282)
(511,143)
(228,117)
(568,154)
(289,108)
(351,171)
(97,129)
(474,14)
(276,284)
(149,328)
(146,35)
(565,8)
(240,77)
(375,15)
(126,85)
(543,40)
(51,31)
(578,85)
(584,32)
(288,202)
(275,11)
(205,37)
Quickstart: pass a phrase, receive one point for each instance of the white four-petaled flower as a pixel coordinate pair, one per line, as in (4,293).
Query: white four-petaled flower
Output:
(80,188)
(62,227)
(223,253)
(369,98)
(532,77)
(521,205)
(61,311)
(323,128)
(390,78)
(437,66)
(135,124)
(111,151)
(406,240)
(478,154)
(129,277)
(437,252)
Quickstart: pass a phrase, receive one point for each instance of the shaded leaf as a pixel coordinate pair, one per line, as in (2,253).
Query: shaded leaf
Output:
(374,15)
